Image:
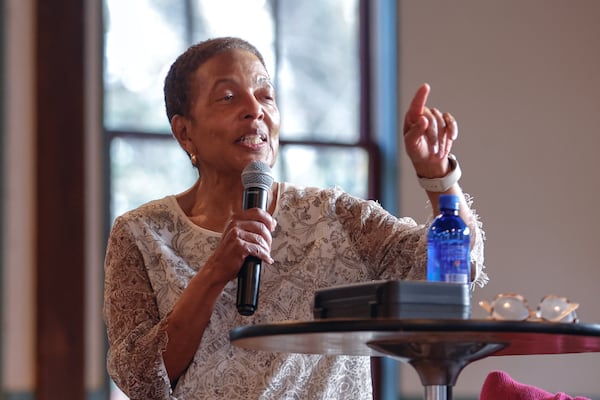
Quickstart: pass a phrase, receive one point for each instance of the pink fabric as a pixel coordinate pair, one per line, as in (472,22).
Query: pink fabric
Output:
(500,386)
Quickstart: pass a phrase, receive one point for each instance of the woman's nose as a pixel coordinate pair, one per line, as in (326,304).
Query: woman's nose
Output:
(253,109)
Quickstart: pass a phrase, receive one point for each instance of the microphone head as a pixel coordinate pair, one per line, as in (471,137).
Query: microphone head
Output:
(257,174)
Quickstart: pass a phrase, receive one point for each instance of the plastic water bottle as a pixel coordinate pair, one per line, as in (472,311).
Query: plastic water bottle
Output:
(448,244)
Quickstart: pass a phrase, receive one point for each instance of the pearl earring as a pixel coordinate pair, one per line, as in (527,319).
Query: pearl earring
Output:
(194,160)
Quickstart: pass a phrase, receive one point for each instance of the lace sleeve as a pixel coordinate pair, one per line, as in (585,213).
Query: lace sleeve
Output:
(477,254)
(136,335)
(397,247)
(394,247)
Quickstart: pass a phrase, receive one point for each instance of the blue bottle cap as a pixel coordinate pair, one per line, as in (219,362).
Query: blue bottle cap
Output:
(449,201)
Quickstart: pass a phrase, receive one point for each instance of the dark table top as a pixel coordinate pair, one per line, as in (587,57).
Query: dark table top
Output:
(357,336)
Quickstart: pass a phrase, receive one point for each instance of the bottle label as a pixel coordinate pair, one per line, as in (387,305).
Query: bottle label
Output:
(456,278)
(454,262)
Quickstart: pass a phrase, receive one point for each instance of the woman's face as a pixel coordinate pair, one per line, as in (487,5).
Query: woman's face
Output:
(234,118)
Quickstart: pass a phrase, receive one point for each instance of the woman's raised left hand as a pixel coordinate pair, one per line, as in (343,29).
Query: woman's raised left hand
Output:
(428,136)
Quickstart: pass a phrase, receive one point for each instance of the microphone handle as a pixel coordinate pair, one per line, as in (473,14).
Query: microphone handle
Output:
(249,274)
(255,198)
(247,288)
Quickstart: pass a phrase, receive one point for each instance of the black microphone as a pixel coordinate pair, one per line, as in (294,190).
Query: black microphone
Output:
(257,181)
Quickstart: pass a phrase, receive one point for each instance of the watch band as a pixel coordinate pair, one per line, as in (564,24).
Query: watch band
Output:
(444,183)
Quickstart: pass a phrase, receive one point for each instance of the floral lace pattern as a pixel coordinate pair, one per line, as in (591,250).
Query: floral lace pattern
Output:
(324,237)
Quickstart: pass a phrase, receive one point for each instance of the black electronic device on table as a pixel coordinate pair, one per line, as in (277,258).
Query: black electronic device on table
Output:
(394,299)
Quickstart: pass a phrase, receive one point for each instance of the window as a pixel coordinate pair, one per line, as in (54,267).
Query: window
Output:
(319,55)
(312,49)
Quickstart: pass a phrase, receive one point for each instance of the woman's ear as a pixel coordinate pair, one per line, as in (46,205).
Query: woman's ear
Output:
(180,129)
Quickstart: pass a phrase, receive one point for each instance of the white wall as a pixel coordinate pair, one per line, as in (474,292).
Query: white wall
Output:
(522,79)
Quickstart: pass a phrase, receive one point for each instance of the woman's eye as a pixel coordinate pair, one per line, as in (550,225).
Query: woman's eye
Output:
(228,97)
(265,94)
(268,96)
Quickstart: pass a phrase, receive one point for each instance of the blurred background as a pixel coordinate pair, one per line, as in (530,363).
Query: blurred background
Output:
(520,77)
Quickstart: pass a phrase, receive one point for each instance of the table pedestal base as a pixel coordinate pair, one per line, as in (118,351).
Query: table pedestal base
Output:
(437,363)
(437,392)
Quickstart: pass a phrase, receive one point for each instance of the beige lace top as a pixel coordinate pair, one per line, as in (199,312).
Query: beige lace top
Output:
(324,237)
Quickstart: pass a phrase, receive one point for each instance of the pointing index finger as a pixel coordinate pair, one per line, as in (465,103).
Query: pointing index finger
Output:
(417,104)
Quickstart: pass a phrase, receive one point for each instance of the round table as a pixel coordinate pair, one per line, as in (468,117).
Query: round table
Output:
(438,349)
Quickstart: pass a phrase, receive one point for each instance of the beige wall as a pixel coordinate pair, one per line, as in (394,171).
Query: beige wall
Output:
(522,79)
(18,262)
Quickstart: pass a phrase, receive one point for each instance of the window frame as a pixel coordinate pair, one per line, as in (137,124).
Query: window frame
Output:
(378,70)
(366,140)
